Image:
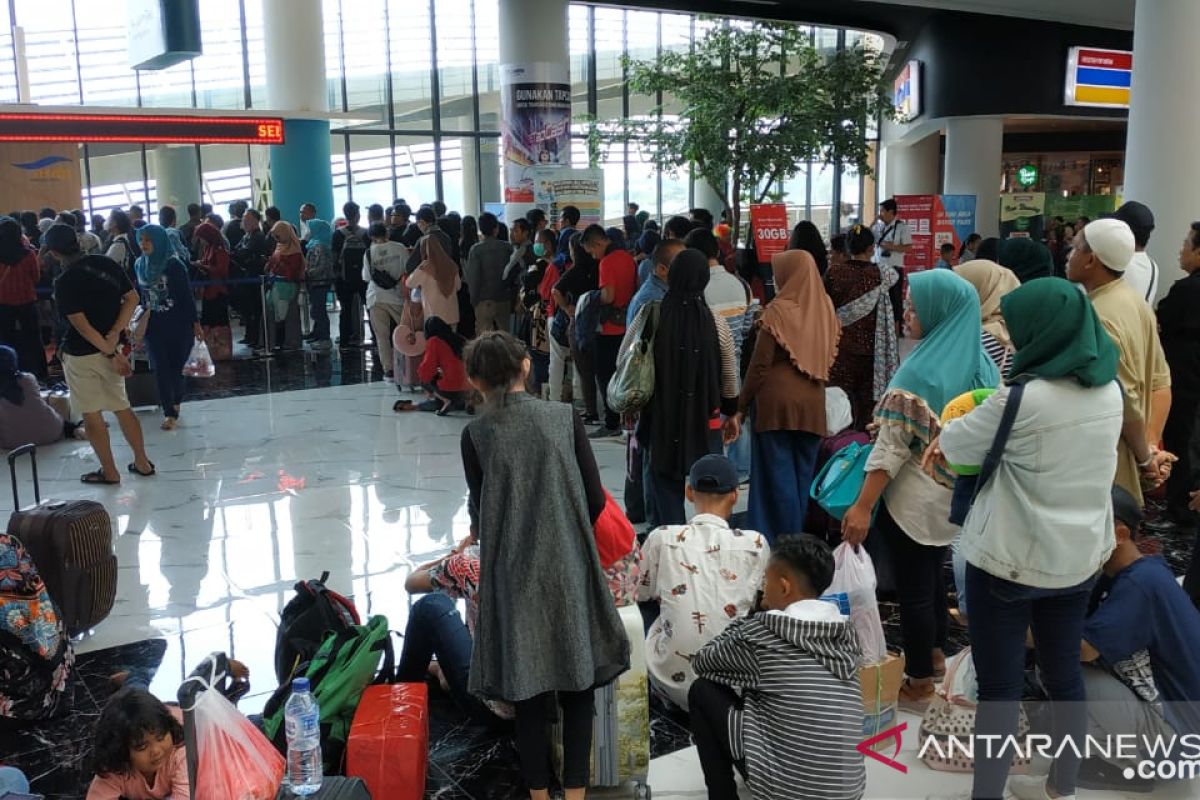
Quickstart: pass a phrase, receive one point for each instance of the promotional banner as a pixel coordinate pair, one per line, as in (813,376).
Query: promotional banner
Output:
(935,220)
(535,123)
(769,224)
(36,174)
(1092,206)
(1022,215)
(555,187)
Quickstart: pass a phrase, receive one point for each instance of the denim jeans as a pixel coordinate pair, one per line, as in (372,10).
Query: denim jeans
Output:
(784,462)
(436,629)
(740,451)
(13,780)
(318,311)
(1001,613)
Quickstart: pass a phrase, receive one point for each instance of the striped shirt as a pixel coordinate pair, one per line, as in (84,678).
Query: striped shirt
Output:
(801,715)
(997,352)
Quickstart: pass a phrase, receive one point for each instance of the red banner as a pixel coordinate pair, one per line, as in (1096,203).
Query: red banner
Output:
(769,226)
(930,226)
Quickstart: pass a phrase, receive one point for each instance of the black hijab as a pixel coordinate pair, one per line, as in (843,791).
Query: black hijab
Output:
(687,369)
(10,377)
(437,328)
(12,247)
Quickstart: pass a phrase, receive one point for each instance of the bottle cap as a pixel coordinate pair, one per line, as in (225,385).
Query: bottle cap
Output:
(299,685)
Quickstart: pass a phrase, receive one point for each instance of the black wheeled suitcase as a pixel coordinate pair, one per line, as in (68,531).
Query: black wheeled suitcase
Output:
(72,546)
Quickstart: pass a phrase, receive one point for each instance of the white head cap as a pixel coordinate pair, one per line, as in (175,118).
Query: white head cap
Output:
(1112,242)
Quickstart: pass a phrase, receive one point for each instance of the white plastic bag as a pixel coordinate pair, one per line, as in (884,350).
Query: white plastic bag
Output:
(199,363)
(838,414)
(854,574)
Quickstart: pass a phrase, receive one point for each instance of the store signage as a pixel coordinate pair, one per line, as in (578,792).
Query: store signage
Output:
(906,92)
(1027,175)
(139,128)
(1099,78)
(769,221)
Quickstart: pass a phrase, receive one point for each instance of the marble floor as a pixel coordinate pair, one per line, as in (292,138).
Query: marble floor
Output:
(255,492)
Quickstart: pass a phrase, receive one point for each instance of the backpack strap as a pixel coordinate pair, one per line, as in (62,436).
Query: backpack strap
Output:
(992,459)
(1153,279)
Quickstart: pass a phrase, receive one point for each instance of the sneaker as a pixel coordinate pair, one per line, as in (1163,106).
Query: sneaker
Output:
(1032,787)
(605,433)
(1099,775)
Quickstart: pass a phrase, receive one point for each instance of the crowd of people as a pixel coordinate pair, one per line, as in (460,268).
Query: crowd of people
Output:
(1090,393)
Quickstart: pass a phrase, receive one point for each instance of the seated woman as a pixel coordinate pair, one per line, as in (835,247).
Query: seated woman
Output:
(25,418)
(139,750)
(441,372)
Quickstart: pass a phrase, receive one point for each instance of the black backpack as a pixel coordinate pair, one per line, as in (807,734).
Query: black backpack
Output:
(308,617)
(354,250)
(381,277)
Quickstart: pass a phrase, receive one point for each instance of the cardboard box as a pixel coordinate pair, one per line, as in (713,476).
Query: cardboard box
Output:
(880,692)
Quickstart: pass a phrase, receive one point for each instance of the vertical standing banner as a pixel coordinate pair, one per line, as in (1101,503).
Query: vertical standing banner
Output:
(535,123)
(769,224)
(1022,215)
(959,210)
(935,220)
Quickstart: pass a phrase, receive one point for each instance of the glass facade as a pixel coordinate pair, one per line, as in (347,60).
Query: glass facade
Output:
(424,79)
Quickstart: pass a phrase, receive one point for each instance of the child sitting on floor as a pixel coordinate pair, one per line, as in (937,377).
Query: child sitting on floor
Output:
(793,730)
(139,750)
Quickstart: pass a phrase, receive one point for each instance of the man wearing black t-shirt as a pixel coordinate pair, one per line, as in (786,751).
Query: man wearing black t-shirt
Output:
(96,298)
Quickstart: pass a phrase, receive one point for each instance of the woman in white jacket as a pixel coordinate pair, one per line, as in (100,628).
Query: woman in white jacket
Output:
(1041,526)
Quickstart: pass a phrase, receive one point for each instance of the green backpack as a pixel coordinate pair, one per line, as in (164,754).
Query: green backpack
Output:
(346,663)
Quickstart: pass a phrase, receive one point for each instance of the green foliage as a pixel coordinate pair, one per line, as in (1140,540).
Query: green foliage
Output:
(745,122)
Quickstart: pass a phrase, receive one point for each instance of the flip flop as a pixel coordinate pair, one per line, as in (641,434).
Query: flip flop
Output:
(98,478)
(133,468)
(404,405)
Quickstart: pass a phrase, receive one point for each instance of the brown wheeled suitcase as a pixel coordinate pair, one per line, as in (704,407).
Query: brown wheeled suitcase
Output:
(71,544)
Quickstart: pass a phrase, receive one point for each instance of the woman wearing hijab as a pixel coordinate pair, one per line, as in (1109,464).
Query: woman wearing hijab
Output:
(26,418)
(213,267)
(173,324)
(1042,526)
(1025,257)
(942,312)
(437,280)
(695,382)
(19,276)
(319,274)
(992,282)
(869,351)
(442,374)
(785,383)
(286,266)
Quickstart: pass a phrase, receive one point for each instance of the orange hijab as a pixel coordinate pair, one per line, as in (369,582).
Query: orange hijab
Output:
(801,317)
(285,235)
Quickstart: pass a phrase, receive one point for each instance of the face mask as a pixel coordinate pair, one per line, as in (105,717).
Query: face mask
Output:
(539,249)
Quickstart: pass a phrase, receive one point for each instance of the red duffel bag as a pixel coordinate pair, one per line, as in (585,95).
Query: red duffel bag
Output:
(389,741)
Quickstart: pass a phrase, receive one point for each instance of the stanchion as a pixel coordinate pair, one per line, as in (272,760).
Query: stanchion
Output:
(266,331)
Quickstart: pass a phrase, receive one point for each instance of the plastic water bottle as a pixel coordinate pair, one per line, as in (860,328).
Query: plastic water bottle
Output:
(302,721)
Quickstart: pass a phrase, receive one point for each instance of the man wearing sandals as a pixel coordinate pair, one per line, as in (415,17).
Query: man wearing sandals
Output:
(94,295)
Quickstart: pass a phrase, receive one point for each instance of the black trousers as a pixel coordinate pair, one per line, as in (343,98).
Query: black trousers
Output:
(534,718)
(350,320)
(606,351)
(20,330)
(1177,433)
(709,704)
(921,591)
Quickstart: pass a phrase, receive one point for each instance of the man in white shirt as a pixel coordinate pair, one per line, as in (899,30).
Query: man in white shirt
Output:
(895,239)
(704,575)
(1142,272)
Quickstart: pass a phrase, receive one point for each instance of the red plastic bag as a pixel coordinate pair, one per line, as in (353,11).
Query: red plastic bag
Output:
(614,533)
(234,760)
(389,741)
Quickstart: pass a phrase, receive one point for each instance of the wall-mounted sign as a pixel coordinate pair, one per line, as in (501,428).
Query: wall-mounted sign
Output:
(1099,78)
(906,92)
(162,33)
(1027,176)
(138,128)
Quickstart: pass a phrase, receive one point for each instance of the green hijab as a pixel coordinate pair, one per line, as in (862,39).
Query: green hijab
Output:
(1025,257)
(950,358)
(1057,333)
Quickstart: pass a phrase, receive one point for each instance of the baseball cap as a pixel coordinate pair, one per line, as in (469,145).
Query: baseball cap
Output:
(1138,217)
(1112,242)
(1126,509)
(59,237)
(713,474)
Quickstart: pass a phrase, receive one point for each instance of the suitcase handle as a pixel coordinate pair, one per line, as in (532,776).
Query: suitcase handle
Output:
(31,450)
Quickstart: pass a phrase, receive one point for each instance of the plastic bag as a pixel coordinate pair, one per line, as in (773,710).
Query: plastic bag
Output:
(838,414)
(854,574)
(199,363)
(234,761)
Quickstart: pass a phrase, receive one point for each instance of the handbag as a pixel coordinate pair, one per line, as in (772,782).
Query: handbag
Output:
(967,487)
(632,385)
(613,532)
(839,483)
(950,721)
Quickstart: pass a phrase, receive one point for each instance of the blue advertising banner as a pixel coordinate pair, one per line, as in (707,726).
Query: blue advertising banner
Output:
(960,213)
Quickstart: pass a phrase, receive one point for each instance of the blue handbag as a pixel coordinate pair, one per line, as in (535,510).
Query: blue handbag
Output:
(841,480)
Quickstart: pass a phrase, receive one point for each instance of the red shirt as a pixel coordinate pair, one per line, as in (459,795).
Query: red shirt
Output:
(546,288)
(618,270)
(439,355)
(288,267)
(18,282)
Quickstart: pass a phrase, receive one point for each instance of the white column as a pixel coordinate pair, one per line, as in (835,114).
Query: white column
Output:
(912,169)
(295,49)
(533,30)
(176,173)
(1161,168)
(974,161)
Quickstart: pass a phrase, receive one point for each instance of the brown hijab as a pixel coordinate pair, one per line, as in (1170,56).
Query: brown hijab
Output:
(992,282)
(438,264)
(801,317)
(285,235)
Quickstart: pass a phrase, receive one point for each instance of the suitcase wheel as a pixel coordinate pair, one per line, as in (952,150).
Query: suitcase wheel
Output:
(641,791)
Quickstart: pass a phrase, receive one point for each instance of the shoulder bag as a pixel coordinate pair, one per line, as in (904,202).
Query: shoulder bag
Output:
(967,487)
(632,384)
